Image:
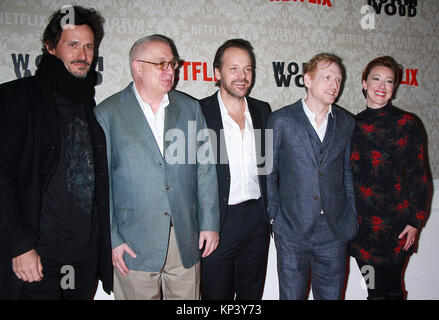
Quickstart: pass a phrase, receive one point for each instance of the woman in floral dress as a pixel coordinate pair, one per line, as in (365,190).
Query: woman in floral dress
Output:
(391,182)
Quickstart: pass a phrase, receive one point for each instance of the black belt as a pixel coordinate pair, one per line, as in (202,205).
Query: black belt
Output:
(245,203)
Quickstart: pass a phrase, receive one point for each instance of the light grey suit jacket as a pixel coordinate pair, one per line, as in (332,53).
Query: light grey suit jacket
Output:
(299,187)
(147,190)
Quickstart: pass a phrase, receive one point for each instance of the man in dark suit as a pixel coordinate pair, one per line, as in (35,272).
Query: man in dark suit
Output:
(238,265)
(310,190)
(54,216)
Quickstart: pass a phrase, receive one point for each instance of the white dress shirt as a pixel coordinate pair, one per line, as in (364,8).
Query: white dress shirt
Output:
(241,151)
(156,121)
(321,129)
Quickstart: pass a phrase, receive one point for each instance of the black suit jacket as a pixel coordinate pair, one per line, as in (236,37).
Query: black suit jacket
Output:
(259,111)
(30,151)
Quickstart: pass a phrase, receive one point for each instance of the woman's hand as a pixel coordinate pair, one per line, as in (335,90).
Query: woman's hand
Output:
(411,233)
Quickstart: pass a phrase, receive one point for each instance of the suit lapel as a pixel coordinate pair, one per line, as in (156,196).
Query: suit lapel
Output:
(255,114)
(214,120)
(257,124)
(259,145)
(300,126)
(133,113)
(172,111)
(332,133)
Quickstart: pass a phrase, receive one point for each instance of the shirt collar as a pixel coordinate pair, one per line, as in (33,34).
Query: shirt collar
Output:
(311,115)
(224,110)
(164,103)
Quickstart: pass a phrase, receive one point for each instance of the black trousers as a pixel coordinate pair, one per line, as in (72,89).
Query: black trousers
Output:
(384,282)
(239,263)
(64,281)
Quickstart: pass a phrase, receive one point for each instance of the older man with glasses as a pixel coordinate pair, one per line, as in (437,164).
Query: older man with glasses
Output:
(164,214)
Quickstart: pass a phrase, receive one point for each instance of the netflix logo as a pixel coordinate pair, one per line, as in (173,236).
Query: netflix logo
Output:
(319,2)
(408,77)
(196,71)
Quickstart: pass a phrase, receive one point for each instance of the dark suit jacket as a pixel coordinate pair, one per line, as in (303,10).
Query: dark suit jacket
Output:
(30,150)
(299,187)
(259,111)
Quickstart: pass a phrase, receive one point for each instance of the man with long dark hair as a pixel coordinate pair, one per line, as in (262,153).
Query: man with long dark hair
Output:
(54,221)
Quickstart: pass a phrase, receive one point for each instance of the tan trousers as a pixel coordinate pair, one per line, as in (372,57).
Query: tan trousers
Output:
(173,282)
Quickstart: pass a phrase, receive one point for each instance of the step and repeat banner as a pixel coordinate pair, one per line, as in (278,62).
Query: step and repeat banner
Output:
(284,34)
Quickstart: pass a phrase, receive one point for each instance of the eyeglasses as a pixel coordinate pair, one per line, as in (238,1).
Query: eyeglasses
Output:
(164,65)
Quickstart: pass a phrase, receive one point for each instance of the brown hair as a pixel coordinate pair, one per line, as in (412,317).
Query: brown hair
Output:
(311,66)
(385,61)
(233,43)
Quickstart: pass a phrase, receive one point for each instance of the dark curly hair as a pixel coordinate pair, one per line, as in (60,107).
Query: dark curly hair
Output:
(87,16)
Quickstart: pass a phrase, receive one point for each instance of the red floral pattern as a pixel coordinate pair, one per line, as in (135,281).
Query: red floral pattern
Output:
(376,158)
(376,224)
(421,154)
(404,119)
(421,215)
(355,156)
(391,182)
(402,142)
(366,192)
(403,205)
(365,254)
(368,128)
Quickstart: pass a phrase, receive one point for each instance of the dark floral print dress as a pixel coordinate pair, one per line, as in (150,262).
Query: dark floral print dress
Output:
(391,182)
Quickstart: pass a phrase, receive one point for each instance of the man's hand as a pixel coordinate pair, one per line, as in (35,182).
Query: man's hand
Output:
(117,257)
(211,238)
(27,267)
